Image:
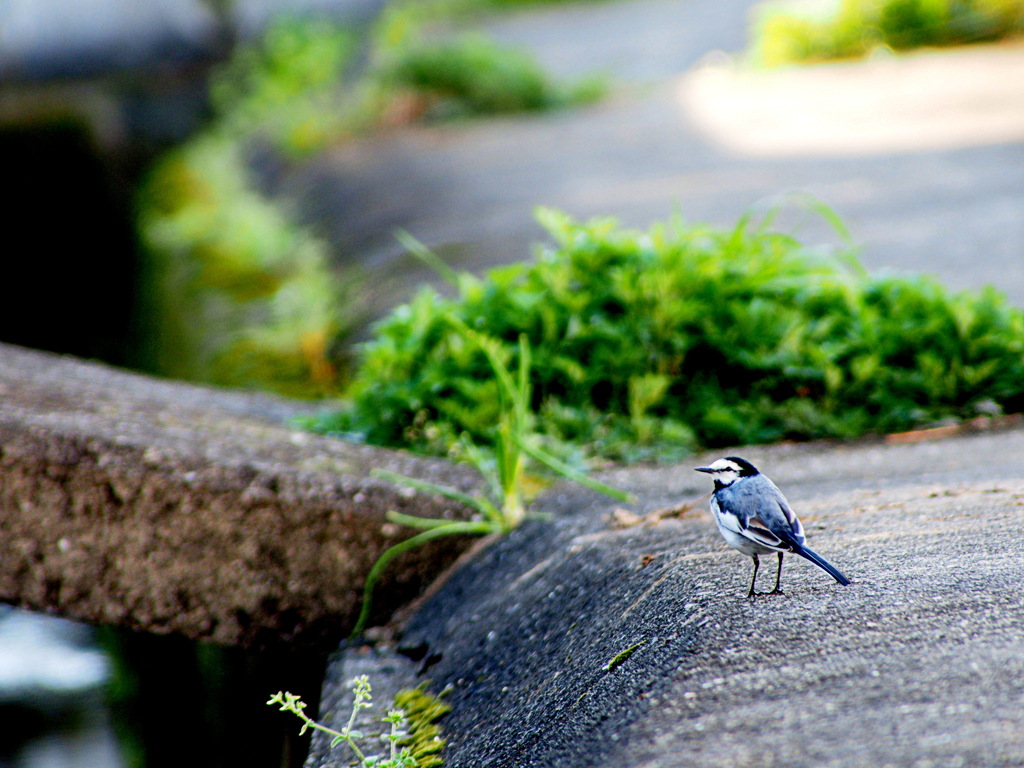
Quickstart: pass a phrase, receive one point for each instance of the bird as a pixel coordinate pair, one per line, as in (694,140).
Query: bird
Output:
(755,518)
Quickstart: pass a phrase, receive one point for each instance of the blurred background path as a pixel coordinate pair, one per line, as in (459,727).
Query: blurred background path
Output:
(921,155)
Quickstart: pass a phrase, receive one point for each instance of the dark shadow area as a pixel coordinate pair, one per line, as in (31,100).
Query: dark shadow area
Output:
(175,702)
(73,255)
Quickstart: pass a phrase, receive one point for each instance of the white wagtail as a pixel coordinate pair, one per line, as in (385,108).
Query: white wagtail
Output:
(754,517)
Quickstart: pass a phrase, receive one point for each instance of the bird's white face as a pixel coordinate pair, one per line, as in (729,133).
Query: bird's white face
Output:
(724,471)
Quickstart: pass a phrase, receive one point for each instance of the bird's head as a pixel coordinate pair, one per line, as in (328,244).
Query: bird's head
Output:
(727,471)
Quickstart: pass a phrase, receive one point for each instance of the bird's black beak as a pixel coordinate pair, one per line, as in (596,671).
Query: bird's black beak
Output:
(709,470)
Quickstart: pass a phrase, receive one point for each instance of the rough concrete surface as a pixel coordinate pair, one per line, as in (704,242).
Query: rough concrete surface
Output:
(169,507)
(919,662)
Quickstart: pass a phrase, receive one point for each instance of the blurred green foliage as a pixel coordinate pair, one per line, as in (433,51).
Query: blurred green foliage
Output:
(286,86)
(290,85)
(508,3)
(647,344)
(237,294)
(473,75)
(787,32)
(457,75)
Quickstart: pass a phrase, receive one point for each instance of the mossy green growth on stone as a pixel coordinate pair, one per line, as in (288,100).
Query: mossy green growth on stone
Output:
(422,711)
(620,658)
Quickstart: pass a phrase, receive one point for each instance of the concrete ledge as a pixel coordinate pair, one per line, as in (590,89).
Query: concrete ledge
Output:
(579,642)
(174,508)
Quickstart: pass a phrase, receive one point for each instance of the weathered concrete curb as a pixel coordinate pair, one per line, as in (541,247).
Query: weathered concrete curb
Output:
(168,507)
(919,662)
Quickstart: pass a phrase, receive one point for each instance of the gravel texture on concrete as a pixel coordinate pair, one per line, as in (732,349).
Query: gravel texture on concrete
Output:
(175,508)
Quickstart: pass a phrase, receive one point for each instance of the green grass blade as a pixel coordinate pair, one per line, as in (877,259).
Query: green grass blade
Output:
(452,529)
(478,458)
(576,476)
(428,487)
(413,521)
(491,348)
(481,505)
(427,256)
(523,390)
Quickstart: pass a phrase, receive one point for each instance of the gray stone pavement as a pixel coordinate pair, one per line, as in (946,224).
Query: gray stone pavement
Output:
(951,204)
(918,662)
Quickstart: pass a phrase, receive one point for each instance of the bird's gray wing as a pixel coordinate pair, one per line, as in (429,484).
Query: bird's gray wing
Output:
(777,516)
(742,506)
(764,513)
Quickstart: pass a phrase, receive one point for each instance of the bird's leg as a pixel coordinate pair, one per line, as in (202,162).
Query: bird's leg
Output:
(778,579)
(757,564)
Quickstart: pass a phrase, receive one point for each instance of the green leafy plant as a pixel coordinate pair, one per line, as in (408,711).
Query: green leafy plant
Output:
(473,75)
(502,506)
(399,741)
(787,33)
(237,291)
(645,344)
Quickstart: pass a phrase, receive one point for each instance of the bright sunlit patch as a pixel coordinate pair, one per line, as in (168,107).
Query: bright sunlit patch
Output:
(924,101)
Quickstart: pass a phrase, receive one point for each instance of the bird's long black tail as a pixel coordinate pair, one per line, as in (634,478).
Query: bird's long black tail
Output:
(822,563)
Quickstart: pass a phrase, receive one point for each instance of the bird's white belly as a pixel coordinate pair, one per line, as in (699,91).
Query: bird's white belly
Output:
(735,539)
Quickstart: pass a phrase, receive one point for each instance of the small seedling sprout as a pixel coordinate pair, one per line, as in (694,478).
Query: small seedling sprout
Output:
(399,757)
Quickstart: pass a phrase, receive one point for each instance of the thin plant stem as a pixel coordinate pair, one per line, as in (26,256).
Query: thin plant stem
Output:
(471,528)
(481,505)
(427,256)
(576,476)
(291,703)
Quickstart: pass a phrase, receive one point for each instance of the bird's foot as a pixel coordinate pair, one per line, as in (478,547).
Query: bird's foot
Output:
(752,594)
